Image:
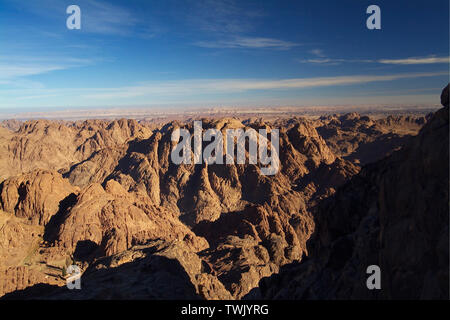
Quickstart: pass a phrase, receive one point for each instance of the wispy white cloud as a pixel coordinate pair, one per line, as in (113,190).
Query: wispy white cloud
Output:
(248,42)
(408,61)
(15,71)
(331,61)
(229,23)
(325,61)
(194,90)
(206,86)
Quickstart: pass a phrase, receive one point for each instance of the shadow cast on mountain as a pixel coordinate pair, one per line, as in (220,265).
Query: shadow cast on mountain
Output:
(153,277)
(51,228)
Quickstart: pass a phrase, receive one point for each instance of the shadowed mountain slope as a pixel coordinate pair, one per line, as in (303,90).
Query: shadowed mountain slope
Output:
(393,214)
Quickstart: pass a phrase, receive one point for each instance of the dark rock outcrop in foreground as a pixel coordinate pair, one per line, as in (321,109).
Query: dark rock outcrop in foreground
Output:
(394,214)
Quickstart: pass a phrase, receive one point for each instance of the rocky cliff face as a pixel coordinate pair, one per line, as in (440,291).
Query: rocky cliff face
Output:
(20,265)
(393,214)
(35,196)
(363,140)
(43,144)
(106,196)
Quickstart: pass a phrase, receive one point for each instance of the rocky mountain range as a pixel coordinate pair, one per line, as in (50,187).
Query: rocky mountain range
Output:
(393,214)
(351,191)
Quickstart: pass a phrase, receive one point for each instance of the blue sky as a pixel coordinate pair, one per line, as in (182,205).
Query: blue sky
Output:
(221,53)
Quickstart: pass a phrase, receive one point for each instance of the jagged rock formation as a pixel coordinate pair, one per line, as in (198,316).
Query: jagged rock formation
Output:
(114,220)
(35,195)
(16,238)
(19,242)
(11,124)
(156,270)
(394,214)
(43,144)
(106,196)
(363,140)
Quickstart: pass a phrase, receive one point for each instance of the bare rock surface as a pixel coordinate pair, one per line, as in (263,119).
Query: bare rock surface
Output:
(106,196)
(393,214)
(53,145)
(35,196)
